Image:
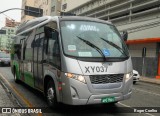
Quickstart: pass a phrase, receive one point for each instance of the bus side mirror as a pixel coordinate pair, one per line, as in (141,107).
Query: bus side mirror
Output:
(17,50)
(125,35)
(49,32)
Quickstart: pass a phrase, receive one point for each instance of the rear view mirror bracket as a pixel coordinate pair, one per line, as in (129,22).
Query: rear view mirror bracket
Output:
(125,35)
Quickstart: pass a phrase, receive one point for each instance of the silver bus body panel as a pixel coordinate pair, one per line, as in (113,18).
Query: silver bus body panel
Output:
(89,93)
(77,93)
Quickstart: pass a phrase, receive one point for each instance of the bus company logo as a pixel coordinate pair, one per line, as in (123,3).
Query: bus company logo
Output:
(105,65)
(107,79)
(6,110)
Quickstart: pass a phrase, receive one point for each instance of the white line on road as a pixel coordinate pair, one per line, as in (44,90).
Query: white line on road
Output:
(147,92)
(134,108)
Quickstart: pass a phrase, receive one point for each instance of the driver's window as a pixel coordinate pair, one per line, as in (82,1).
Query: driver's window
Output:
(53,49)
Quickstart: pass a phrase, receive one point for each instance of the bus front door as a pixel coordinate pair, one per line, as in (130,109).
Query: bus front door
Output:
(22,42)
(38,61)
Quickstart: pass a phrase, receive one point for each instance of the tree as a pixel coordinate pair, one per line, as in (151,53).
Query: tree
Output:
(9,43)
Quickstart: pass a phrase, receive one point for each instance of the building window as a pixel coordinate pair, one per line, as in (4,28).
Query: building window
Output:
(53,9)
(64,6)
(46,12)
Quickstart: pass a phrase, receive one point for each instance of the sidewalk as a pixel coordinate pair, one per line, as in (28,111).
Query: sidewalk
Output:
(150,80)
(4,98)
(5,101)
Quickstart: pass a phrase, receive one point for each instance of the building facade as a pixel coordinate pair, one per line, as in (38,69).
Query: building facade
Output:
(26,3)
(50,8)
(11,23)
(6,38)
(55,7)
(141,18)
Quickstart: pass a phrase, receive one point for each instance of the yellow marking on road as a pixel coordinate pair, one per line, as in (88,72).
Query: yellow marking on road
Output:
(18,93)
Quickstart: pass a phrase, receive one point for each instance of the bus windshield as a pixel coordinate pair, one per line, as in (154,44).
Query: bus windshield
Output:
(92,39)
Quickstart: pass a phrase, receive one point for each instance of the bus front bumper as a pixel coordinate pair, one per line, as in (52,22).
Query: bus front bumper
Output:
(96,99)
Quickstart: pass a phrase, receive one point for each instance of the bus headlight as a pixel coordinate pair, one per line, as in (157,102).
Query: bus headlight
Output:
(77,77)
(128,76)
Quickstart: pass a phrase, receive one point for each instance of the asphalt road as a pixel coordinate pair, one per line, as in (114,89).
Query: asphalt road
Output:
(144,95)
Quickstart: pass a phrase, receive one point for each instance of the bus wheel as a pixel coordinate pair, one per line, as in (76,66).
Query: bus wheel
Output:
(51,95)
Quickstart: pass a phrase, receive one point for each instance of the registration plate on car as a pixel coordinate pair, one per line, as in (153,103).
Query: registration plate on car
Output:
(108,99)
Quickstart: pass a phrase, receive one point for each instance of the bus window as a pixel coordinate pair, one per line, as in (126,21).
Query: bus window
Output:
(53,50)
(17,49)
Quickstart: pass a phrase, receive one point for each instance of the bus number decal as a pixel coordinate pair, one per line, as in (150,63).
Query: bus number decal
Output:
(93,69)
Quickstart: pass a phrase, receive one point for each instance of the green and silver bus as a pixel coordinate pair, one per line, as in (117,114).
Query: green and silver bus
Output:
(73,60)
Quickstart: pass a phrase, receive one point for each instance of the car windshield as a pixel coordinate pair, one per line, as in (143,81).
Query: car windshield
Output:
(4,55)
(92,39)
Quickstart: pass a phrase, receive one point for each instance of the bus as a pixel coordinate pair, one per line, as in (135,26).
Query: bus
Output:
(73,60)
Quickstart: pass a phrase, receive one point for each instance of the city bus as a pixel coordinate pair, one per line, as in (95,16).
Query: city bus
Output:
(73,60)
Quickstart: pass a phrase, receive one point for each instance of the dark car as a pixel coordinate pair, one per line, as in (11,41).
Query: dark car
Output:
(4,58)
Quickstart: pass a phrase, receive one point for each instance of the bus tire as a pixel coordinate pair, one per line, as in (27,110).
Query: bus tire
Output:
(51,95)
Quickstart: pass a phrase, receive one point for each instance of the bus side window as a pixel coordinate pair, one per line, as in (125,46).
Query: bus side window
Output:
(53,50)
(17,49)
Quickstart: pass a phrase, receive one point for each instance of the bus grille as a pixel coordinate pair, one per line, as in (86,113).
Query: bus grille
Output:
(103,79)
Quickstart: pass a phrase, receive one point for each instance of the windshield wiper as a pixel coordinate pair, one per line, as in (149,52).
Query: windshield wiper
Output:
(93,46)
(114,45)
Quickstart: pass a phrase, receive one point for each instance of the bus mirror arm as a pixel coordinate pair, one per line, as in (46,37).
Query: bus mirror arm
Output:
(125,35)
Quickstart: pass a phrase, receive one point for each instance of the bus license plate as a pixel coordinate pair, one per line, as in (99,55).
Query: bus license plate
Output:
(108,99)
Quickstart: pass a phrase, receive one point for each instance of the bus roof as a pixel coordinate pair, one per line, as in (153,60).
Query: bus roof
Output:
(37,22)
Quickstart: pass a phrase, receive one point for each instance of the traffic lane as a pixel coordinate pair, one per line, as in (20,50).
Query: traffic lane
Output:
(30,97)
(149,87)
(36,98)
(94,110)
(143,96)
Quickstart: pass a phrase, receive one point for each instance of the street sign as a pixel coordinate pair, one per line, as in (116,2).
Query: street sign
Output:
(32,11)
(67,14)
(2,31)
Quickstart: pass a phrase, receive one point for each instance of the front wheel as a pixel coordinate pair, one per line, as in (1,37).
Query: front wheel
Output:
(51,95)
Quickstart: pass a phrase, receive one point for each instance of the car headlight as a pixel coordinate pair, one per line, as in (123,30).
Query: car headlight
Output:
(77,77)
(128,76)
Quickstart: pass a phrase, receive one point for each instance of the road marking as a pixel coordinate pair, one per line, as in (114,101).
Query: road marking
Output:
(18,93)
(147,92)
(133,108)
